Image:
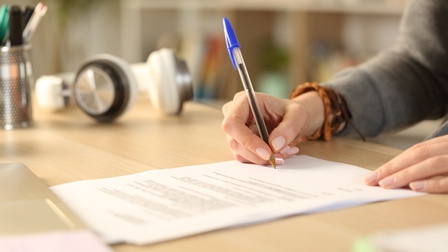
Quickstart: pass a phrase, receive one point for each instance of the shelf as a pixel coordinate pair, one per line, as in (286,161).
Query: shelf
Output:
(299,24)
(339,6)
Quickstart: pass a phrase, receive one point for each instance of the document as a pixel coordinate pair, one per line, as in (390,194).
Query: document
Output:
(164,204)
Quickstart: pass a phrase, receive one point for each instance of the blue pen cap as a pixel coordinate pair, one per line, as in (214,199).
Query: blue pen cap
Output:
(231,40)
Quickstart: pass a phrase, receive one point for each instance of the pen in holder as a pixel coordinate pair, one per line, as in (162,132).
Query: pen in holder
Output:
(15,87)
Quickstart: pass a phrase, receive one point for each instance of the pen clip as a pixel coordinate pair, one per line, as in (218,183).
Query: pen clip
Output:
(231,40)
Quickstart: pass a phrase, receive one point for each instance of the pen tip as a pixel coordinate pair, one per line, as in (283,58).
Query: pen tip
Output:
(272,161)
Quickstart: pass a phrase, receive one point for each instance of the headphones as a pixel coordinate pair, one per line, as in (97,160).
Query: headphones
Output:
(105,86)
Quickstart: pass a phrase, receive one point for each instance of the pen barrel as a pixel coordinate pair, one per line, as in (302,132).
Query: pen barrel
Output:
(253,103)
(15,26)
(26,16)
(15,87)
(261,125)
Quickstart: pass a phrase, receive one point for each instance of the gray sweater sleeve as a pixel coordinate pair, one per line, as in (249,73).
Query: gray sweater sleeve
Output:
(403,84)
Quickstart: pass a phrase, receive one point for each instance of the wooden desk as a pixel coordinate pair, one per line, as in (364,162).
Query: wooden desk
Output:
(69,146)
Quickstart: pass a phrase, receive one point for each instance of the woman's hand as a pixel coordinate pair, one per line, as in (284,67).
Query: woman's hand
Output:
(423,167)
(286,120)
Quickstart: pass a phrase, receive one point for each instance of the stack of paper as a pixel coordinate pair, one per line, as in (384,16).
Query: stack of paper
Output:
(164,204)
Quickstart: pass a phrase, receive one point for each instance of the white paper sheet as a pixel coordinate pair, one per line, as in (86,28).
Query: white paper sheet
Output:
(165,204)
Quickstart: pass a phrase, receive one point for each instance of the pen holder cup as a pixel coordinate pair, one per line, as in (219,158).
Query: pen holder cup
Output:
(16,79)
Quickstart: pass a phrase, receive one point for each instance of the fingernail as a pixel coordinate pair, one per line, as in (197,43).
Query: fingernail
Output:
(285,150)
(264,154)
(293,150)
(278,143)
(371,178)
(387,182)
(279,161)
(417,186)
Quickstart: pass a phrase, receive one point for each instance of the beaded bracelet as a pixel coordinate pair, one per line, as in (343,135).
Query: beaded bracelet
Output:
(336,112)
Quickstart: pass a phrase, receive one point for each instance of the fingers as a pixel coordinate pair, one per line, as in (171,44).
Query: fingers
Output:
(288,151)
(281,115)
(237,102)
(429,168)
(242,154)
(418,167)
(287,131)
(243,141)
(411,156)
(244,144)
(302,116)
(435,185)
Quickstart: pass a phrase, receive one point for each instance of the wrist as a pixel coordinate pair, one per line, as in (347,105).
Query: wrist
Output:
(314,108)
(335,111)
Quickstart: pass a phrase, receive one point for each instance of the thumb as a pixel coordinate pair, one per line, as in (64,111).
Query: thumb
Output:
(292,126)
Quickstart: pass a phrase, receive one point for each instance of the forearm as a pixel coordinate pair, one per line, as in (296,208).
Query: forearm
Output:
(405,84)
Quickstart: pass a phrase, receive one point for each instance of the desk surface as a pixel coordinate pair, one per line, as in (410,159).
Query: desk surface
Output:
(68,146)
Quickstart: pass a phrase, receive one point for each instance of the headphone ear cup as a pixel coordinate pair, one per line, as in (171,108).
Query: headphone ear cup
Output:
(49,91)
(105,87)
(168,87)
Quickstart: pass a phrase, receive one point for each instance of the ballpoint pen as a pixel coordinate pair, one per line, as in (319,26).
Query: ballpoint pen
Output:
(31,26)
(238,63)
(27,13)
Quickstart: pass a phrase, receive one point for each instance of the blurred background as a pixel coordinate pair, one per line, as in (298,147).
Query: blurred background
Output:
(284,42)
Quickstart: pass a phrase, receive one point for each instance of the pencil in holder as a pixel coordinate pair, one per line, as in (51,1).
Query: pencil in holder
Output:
(16,79)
